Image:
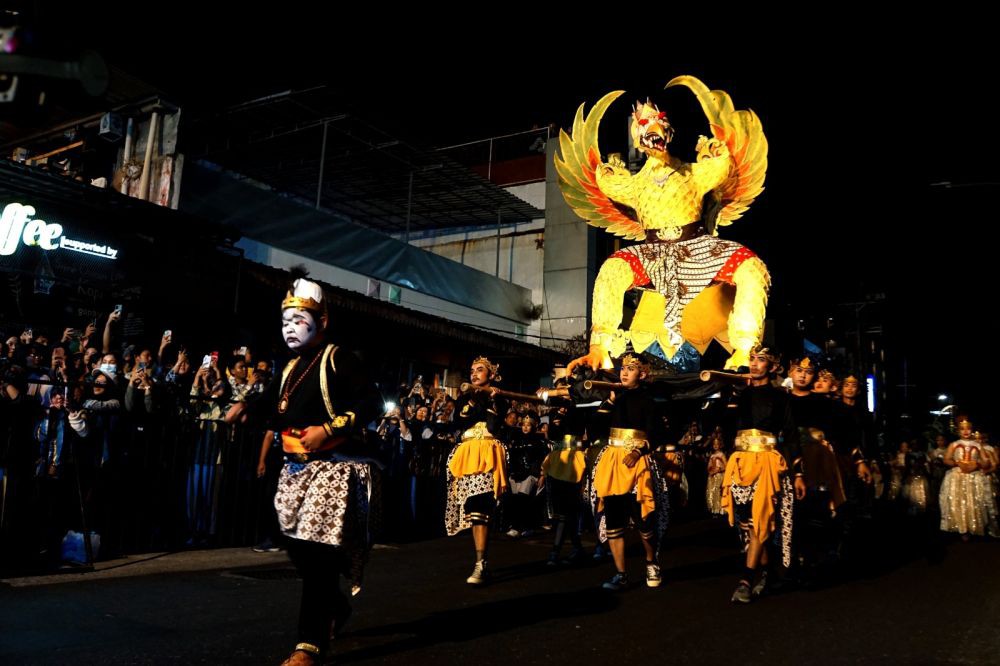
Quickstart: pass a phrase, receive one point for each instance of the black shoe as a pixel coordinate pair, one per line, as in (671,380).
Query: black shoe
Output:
(617,583)
(266,546)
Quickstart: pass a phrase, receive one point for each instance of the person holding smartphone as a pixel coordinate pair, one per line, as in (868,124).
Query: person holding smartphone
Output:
(113,319)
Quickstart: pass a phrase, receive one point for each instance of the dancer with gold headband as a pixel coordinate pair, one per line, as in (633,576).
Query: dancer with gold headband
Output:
(564,471)
(477,468)
(626,486)
(756,489)
(328,490)
(817,535)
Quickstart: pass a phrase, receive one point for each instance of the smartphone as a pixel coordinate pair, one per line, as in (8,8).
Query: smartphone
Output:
(118,308)
(207,361)
(215,357)
(167,333)
(142,365)
(242,351)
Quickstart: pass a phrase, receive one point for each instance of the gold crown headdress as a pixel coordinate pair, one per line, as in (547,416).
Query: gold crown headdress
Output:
(828,376)
(806,363)
(632,361)
(305,295)
(760,351)
(491,367)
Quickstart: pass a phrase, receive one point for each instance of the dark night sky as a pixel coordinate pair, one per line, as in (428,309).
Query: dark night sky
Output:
(861,118)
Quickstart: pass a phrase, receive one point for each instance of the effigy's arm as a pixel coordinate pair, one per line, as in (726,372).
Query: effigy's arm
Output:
(616,182)
(746,321)
(713,166)
(613,280)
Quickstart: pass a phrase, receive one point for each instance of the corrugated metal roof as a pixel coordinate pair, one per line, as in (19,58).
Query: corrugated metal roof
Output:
(366,173)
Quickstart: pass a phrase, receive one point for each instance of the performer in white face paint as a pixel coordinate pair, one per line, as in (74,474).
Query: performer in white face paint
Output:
(328,488)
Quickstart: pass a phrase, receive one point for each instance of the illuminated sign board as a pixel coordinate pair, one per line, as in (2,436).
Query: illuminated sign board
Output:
(18,226)
(870,381)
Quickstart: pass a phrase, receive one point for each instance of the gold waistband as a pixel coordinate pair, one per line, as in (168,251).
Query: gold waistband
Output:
(568,442)
(755,441)
(627,438)
(478,431)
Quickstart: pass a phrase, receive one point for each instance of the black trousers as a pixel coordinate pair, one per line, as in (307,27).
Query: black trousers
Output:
(319,566)
(618,509)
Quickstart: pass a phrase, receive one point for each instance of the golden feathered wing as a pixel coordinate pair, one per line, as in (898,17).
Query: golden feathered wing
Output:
(577,163)
(742,133)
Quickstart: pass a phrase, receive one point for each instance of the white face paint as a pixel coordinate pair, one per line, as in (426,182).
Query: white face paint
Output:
(299,328)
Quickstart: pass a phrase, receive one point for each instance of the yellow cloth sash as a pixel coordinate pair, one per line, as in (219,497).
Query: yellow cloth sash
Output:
(613,477)
(291,442)
(566,462)
(758,462)
(481,455)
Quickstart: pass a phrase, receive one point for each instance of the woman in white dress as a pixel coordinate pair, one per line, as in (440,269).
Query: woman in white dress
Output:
(967,505)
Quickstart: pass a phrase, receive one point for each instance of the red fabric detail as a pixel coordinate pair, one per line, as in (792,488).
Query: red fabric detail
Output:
(725,274)
(639,277)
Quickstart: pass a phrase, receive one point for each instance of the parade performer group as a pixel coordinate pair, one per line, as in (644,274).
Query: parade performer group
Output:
(693,288)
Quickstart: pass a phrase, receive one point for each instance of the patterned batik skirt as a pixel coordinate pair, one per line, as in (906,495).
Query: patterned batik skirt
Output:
(333,502)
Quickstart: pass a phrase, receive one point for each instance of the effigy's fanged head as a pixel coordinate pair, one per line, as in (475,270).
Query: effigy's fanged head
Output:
(651,131)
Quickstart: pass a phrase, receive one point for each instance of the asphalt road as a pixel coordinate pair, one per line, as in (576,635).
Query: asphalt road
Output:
(915,601)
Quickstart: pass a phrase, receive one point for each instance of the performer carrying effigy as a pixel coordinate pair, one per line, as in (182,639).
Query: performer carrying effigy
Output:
(756,490)
(477,468)
(626,486)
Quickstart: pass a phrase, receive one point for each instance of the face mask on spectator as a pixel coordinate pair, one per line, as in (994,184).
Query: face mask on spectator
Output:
(108,368)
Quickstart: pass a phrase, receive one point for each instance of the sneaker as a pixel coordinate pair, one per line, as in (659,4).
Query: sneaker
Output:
(553,559)
(653,577)
(479,574)
(512,533)
(266,546)
(617,583)
(599,553)
(742,594)
(761,585)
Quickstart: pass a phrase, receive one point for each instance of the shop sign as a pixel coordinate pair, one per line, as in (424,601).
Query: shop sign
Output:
(19,226)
